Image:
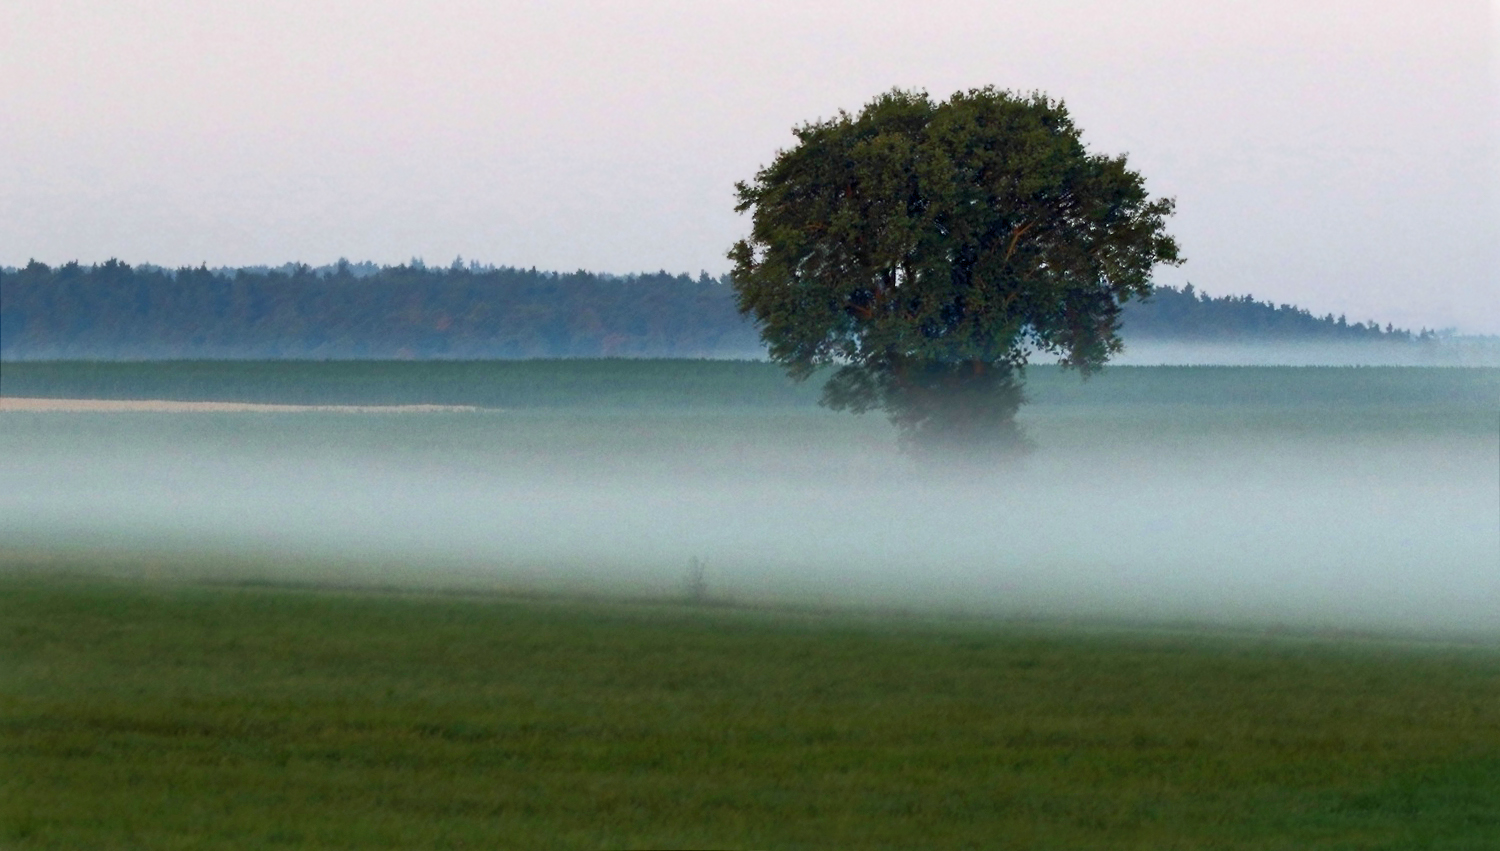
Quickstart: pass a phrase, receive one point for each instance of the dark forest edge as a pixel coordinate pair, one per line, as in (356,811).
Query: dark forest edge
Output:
(471,311)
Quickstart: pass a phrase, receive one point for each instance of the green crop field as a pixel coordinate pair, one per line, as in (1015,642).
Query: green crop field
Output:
(709,384)
(189,716)
(613,407)
(1216,608)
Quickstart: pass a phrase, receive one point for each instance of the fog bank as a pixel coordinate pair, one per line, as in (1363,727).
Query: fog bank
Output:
(1380,530)
(1470,351)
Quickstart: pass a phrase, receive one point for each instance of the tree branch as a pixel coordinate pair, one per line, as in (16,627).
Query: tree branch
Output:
(1015,237)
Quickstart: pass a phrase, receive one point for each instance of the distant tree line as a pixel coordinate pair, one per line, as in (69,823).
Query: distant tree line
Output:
(1187,314)
(113,310)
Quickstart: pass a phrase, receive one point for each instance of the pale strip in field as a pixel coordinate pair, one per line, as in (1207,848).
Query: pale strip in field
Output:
(15,403)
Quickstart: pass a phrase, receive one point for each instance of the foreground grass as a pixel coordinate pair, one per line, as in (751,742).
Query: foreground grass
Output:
(181,716)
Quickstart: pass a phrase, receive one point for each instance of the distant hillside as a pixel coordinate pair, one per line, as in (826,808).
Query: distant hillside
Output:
(115,311)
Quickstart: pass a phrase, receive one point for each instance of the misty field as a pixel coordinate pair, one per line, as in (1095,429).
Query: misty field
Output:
(718,384)
(675,603)
(168,715)
(1351,498)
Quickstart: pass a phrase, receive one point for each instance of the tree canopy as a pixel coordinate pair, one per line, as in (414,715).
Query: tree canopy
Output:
(929,249)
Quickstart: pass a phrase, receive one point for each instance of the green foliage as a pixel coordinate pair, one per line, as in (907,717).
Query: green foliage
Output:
(135,715)
(928,249)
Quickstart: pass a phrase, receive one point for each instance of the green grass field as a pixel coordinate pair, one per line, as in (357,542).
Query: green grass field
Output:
(710,384)
(624,407)
(140,715)
(161,688)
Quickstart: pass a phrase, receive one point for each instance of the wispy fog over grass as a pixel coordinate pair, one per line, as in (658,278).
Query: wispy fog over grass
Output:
(1259,496)
(1454,350)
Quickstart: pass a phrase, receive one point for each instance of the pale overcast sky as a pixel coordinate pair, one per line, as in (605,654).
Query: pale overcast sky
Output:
(1340,154)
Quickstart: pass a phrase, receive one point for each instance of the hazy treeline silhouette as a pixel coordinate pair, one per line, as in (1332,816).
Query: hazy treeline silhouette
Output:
(1187,314)
(346,310)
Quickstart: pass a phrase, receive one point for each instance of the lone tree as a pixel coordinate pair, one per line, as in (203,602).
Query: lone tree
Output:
(928,249)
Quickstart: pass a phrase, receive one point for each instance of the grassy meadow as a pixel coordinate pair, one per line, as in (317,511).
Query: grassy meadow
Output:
(611,384)
(200,716)
(1217,608)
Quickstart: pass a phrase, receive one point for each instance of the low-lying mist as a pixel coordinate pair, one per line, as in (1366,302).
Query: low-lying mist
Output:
(1462,351)
(1303,518)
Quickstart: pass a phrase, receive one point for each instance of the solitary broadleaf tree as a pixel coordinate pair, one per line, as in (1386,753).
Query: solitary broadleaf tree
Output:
(927,250)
